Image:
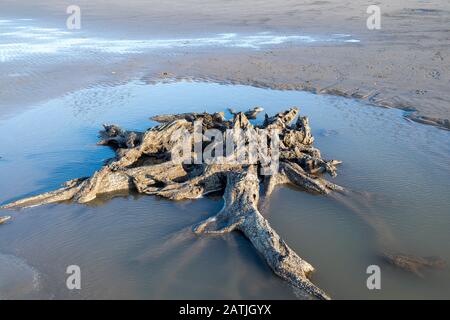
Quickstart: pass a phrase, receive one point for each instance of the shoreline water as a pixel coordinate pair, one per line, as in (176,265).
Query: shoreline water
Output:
(405,65)
(134,245)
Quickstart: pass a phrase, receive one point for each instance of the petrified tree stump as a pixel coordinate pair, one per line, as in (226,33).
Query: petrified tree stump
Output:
(144,162)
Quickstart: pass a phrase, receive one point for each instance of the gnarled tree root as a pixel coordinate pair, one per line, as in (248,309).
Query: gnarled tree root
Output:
(412,263)
(389,249)
(143,163)
(240,212)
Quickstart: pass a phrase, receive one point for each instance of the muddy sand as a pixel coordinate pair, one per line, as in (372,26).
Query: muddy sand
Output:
(403,65)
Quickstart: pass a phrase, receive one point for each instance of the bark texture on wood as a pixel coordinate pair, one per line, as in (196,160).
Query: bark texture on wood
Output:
(143,163)
(240,212)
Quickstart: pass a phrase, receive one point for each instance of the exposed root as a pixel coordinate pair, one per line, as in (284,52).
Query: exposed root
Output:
(119,138)
(59,195)
(4,219)
(270,182)
(250,114)
(144,163)
(413,264)
(215,120)
(299,177)
(387,243)
(240,212)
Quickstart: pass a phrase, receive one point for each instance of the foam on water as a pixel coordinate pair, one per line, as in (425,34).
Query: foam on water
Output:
(21,38)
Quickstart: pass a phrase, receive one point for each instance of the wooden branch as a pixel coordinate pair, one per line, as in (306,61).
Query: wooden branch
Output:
(413,264)
(299,177)
(117,137)
(250,114)
(4,219)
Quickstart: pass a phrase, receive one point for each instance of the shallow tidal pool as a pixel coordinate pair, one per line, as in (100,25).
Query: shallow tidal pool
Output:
(135,246)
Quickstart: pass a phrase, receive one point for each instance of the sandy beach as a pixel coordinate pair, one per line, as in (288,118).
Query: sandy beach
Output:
(91,120)
(403,65)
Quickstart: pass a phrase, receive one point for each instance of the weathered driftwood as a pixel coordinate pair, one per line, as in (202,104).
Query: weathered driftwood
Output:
(250,114)
(4,219)
(143,163)
(240,212)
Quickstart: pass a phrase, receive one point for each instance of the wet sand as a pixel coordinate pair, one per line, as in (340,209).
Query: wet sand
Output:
(404,65)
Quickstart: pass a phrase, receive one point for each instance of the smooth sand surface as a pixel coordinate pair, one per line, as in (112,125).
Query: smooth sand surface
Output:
(404,65)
